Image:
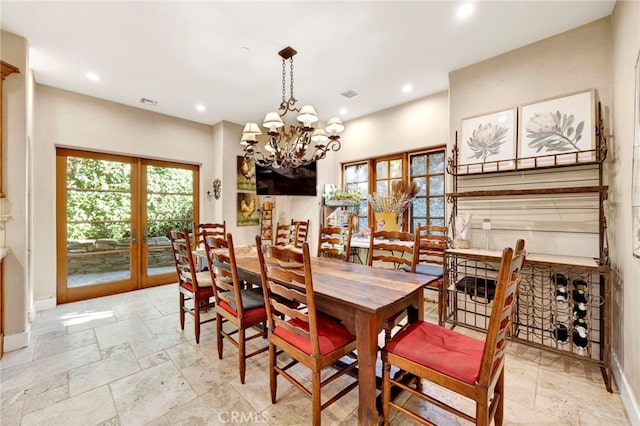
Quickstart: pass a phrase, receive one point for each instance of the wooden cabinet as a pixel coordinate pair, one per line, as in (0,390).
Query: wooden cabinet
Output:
(7,69)
(564,298)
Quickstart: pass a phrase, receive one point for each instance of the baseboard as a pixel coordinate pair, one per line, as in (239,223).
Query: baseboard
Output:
(626,393)
(44,304)
(13,342)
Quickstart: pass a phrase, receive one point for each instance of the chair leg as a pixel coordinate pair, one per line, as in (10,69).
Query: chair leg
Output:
(241,353)
(196,318)
(219,336)
(316,398)
(499,390)
(181,308)
(272,372)
(482,412)
(386,392)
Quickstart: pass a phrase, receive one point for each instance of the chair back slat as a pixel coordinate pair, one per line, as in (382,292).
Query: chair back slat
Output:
(217,230)
(507,284)
(183,257)
(221,260)
(385,249)
(431,242)
(289,291)
(335,242)
(283,234)
(300,232)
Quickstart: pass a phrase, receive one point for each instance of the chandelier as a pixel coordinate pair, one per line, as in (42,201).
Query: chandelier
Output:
(294,146)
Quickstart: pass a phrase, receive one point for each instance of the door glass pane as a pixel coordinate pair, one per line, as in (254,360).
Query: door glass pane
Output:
(169,204)
(98,221)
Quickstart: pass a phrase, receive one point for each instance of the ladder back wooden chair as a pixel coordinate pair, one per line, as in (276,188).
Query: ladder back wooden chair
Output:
(462,364)
(335,242)
(430,244)
(242,307)
(283,234)
(307,336)
(300,232)
(192,285)
(391,250)
(215,230)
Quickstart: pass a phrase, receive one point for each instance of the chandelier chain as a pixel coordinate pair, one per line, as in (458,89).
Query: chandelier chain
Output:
(291,77)
(284,75)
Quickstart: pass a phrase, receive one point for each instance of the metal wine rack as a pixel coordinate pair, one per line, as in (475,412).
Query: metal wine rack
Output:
(562,302)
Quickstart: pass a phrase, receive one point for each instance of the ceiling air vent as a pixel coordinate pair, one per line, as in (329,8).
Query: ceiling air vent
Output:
(350,93)
(148,102)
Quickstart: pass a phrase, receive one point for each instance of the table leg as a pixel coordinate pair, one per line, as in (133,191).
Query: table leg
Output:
(367,343)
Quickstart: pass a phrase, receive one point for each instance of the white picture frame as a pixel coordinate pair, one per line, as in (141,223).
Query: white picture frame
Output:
(560,130)
(488,142)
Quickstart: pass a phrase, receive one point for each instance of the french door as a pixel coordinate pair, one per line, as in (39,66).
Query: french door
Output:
(113,215)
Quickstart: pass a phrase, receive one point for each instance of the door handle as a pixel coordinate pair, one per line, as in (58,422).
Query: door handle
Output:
(144,235)
(134,234)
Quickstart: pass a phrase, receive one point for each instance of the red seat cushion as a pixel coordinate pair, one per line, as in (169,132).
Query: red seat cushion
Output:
(440,349)
(202,291)
(247,313)
(331,335)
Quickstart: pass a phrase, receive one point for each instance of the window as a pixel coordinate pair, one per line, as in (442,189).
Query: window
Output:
(425,167)
(356,176)
(429,205)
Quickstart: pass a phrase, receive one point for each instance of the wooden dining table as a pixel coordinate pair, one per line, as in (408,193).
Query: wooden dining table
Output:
(363,297)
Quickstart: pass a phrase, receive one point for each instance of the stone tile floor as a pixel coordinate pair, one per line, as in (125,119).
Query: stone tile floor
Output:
(123,360)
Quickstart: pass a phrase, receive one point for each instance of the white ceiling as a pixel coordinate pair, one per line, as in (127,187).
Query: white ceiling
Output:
(223,55)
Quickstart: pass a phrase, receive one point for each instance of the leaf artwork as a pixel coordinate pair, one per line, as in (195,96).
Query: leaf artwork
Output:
(486,141)
(553,131)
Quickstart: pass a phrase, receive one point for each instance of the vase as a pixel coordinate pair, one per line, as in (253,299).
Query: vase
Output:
(387,221)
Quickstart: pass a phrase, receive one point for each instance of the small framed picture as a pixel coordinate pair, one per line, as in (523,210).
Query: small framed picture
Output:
(246,174)
(560,130)
(247,209)
(488,142)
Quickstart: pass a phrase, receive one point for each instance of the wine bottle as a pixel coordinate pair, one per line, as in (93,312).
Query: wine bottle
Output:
(561,333)
(580,342)
(579,311)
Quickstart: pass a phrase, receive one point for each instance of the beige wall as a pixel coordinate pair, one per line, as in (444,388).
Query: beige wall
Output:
(76,121)
(572,61)
(414,125)
(16,132)
(626,269)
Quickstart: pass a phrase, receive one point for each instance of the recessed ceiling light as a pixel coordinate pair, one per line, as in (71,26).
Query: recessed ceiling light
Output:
(92,76)
(343,111)
(465,10)
(407,88)
(200,107)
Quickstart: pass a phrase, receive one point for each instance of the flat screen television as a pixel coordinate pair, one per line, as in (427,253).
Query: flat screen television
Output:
(302,180)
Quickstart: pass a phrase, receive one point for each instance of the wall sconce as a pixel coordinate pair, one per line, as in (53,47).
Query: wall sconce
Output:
(217,187)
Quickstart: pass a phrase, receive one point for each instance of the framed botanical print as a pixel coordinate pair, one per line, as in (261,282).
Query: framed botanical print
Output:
(560,130)
(635,173)
(488,142)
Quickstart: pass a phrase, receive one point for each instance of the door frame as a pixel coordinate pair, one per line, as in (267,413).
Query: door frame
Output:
(138,251)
